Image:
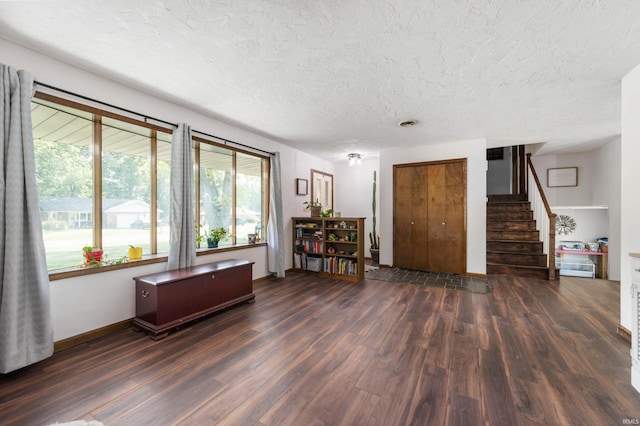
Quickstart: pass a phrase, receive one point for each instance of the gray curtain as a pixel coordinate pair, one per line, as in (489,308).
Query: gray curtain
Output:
(182,245)
(275,227)
(26,329)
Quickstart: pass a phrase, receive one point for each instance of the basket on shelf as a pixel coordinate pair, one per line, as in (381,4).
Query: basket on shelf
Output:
(314,264)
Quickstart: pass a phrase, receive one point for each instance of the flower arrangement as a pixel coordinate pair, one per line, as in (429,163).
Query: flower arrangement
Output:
(94,257)
(92,254)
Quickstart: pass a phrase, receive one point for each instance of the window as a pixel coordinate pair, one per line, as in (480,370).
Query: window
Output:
(249,190)
(103,180)
(216,193)
(63,146)
(163,191)
(231,190)
(126,186)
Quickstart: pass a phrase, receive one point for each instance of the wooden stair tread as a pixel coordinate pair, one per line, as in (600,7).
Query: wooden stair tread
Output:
(510,252)
(518,266)
(493,203)
(511,220)
(508,197)
(512,242)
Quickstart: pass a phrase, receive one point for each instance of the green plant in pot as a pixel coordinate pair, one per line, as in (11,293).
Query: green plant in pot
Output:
(374,239)
(214,237)
(314,206)
(326,213)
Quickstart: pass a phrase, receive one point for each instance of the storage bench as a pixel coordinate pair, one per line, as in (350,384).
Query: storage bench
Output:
(167,300)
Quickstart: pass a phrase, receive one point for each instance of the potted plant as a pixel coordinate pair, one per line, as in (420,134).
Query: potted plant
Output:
(215,235)
(374,239)
(135,253)
(327,213)
(92,255)
(314,206)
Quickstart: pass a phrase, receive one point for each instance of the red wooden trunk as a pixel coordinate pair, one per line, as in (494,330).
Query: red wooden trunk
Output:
(167,300)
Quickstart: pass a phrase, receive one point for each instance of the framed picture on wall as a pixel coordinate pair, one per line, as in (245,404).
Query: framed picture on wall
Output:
(563,176)
(302,186)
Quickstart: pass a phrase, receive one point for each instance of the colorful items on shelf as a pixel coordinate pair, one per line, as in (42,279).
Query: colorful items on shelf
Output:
(329,246)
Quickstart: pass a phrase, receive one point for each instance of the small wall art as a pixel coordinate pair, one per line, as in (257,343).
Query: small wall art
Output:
(564,176)
(302,186)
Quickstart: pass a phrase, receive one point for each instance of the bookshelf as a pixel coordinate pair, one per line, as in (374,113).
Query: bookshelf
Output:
(331,246)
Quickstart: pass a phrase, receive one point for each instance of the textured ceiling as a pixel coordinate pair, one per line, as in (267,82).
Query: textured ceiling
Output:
(332,77)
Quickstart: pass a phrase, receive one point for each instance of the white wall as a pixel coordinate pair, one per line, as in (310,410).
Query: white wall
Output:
(354,193)
(598,185)
(630,180)
(475,153)
(590,224)
(606,191)
(297,164)
(580,195)
(89,302)
(85,303)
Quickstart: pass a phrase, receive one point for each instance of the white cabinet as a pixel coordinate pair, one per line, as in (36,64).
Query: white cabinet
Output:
(635,321)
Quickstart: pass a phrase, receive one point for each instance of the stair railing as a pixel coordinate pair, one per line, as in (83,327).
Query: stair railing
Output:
(544,217)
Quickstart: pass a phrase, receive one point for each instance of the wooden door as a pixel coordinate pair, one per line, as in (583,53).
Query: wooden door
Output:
(410,218)
(430,216)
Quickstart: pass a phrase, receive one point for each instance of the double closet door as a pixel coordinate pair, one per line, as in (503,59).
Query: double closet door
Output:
(429,216)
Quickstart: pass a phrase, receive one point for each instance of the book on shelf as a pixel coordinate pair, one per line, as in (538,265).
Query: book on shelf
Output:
(308,233)
(340,266)
(309,246)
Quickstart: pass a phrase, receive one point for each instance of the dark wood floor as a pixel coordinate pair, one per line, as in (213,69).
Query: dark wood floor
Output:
(316,351)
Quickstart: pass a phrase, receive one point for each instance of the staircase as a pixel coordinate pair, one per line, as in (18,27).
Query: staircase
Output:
(513,244)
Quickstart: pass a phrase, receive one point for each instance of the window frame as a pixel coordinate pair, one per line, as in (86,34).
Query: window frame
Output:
(265,176)
(154,257)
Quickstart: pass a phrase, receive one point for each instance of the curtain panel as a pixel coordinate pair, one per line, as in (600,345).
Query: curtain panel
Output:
(26,329)
(182,244)
(275,226)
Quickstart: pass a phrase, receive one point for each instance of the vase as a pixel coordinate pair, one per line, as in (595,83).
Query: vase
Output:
(315,211)
(135,253)
(211,243)
(93,256)
(375,255)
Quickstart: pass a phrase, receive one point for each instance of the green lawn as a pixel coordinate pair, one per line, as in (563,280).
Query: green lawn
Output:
(64,248)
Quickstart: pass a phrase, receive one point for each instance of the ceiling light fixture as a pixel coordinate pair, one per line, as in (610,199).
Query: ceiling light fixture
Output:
(407,123)
(354,159)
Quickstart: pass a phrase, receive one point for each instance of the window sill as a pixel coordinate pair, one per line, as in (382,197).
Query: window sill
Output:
(79,271)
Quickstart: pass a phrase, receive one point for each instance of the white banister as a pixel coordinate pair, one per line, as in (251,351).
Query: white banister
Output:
(545,219)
